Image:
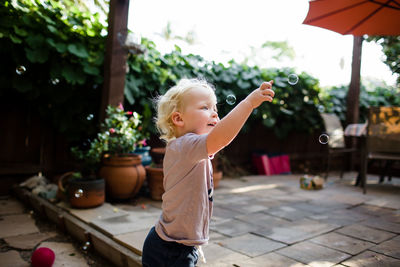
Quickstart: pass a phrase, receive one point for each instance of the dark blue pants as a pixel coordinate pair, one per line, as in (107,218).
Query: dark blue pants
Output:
(158,253)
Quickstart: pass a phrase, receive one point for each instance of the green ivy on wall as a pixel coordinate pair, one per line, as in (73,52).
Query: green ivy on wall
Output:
(52,57)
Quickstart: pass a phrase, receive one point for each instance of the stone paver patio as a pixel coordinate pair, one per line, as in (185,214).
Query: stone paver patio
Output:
(270,221)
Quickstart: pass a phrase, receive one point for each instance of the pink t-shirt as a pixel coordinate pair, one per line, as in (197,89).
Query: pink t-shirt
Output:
(188,184)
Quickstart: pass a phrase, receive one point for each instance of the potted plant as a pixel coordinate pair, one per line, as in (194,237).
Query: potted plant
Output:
(84,188)
(122,171)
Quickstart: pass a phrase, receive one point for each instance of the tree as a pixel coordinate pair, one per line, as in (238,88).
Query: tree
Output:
(391,49)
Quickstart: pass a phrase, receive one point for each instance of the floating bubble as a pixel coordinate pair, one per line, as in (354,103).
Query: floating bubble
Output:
(86,246)
(321,108)
(20,70)
(323,139)
(231,99)
(90,117)
(54,81)
(293,79)
(78,193)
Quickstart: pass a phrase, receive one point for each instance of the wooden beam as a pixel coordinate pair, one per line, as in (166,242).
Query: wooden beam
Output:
(115,59)
(353,95)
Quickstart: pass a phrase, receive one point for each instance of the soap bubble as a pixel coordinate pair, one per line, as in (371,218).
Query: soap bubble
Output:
(90,117)
(231,99)
(20,70)
(86,246)
(78,193)
(293,79)
(323,139)
(321,109)
(54,81)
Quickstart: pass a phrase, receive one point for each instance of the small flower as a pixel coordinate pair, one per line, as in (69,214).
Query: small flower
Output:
(120,106)
(143,142)
(112,130)
(129,112)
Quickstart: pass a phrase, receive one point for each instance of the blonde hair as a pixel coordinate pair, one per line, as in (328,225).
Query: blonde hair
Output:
(172,101)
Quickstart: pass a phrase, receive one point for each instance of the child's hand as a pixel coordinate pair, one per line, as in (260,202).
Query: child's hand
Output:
(261,94)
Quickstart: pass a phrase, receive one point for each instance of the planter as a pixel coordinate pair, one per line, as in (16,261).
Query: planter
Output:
(217,173)
(145,153)
(155,177)
(157,154)
(124,175)
(217,176)
(82,193)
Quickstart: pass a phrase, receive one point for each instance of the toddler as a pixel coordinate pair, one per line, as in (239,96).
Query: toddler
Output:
(188,121)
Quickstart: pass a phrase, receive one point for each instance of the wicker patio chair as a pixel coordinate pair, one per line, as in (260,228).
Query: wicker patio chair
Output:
(383,138)
(336,144)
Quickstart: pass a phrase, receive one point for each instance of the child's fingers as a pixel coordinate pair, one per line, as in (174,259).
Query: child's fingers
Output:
(266,85)
(268,92)
(268,98)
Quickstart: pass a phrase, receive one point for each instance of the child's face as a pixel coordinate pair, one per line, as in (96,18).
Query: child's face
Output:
(200,111)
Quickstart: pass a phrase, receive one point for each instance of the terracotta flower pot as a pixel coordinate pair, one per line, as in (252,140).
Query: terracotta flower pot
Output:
(124,175)
(82,193)
(155,177)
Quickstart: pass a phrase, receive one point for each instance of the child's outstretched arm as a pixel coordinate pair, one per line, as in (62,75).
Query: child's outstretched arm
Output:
(226,130)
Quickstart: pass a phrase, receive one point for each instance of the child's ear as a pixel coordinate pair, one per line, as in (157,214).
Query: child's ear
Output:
(177,119)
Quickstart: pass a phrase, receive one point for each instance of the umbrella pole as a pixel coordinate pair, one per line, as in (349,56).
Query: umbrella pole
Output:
(353,94)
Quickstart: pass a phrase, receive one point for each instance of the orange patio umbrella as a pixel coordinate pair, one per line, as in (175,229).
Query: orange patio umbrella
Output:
(356,17)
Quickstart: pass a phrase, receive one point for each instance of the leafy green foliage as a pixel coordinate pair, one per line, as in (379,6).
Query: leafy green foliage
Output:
(294,107)
(61,49)
(120,133)
(391,49)
(334,100)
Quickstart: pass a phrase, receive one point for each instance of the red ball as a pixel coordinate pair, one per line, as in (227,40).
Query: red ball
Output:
(42,257)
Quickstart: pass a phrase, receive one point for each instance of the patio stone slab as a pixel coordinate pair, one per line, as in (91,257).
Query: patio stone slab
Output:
(313,254)
(350,199)
(343,243)
(14,225)
(217,255)
(372,210)
(371,259)
(66,255)
(10,206)
(271,260)
(251,245)
(320,206)
(262,219)
(221,214)
(392,217)
(289,212)
(382,224)
(28,241)
(244,208)
(389,203)
(296,231)
(341,217)
(12,258)
(365,233)
(389,248)
(233,228)
(134,240)
(105,211)
(123,224)
(216,237)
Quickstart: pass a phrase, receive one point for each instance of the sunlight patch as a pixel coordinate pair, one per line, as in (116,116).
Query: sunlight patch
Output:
(254,188)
